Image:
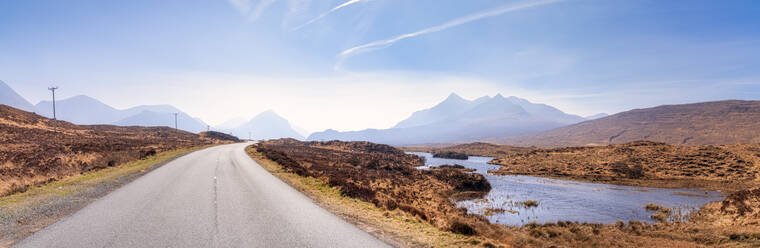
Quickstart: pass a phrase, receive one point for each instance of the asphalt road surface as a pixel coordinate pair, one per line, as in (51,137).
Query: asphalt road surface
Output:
(216,197)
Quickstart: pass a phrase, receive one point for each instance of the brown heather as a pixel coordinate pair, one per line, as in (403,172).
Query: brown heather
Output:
(386,177)
(724,167)
(32,154)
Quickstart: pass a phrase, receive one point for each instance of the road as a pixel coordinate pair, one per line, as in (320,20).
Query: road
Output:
(216,197)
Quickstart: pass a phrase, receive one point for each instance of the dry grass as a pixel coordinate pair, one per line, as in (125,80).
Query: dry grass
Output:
(727,167)
(396,227)
(80,182)
(733,223)
(33,155)
(707,123)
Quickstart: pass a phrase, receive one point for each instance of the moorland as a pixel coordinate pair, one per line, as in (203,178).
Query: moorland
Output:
(36,150)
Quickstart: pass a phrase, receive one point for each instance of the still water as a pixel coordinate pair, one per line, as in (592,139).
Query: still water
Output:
(563,200)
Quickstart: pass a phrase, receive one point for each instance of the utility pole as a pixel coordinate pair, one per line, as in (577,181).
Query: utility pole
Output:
(249,135)
(208,128)
(175,122)
(55,120)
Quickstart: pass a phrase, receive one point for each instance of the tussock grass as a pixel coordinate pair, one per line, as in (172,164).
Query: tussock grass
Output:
(396,227)
(529,203)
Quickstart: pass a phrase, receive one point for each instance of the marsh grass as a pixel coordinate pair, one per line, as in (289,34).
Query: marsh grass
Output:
(529,203)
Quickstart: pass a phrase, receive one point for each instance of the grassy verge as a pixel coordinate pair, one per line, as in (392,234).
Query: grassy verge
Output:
(24,213)
(77,183)
(395,227)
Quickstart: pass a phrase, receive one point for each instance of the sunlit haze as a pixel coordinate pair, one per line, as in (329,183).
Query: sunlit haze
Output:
(350,65)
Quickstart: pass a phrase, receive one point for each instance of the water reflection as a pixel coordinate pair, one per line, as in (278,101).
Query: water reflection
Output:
(563,200)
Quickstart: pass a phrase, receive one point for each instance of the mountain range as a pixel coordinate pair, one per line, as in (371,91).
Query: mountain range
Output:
(85,110)
(458,120)
(706,123)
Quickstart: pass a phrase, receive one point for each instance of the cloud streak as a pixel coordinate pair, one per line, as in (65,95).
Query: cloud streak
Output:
(323,15)
(246,8)
(380,44)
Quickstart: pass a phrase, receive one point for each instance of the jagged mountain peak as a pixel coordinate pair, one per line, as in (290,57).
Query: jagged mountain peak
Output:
(458,119)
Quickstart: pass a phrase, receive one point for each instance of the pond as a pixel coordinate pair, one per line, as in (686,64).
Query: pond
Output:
(564,200)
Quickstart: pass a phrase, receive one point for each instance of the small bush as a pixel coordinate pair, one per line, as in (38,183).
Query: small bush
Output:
(462,228)
(536,233)
(529,203)
(355,191)
(659,216)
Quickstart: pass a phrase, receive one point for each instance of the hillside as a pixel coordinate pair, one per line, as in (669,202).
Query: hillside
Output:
(722,122)
(218,136)
(9,97)
(458,120)
(32,153)
(725,167)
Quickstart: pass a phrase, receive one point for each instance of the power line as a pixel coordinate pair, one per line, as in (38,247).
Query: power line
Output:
(55,120)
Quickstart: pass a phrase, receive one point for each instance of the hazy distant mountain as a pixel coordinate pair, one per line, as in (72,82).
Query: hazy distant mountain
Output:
(302,131)
(457,120)
(722,122)
(82,110)
(231,124)
(157,119)
(596,116)
(452,106)
(9,97)
(152,108)
(264,126)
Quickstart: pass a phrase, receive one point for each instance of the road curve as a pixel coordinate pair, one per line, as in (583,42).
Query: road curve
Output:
(216,197)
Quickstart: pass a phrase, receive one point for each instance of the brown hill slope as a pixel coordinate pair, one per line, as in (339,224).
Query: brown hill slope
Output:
(218,136)
(31,153)
(725,167)
(722,122)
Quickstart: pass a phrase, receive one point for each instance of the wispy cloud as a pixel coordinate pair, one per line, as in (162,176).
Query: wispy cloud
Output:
(246,7)
(323,15)
(379,44)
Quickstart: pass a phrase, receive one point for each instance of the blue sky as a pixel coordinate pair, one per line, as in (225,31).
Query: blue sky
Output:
(369,63)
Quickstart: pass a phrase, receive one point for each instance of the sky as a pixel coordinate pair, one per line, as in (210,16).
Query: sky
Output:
(355,64)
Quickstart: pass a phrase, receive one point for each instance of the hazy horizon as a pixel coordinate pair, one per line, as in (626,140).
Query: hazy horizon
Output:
(351,65)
